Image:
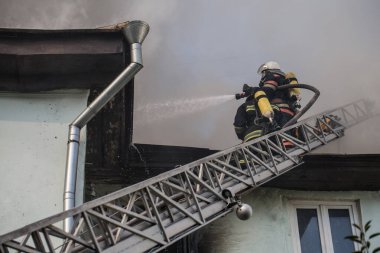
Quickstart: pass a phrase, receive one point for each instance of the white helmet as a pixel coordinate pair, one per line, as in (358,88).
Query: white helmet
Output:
(271,65)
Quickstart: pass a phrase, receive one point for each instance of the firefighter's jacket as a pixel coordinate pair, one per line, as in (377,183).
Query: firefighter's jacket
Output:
(279,99)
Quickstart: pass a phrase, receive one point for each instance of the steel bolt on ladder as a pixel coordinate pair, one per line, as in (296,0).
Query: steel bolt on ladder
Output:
(153,214)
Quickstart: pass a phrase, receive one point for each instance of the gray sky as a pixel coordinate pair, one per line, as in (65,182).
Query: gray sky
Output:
(201,48)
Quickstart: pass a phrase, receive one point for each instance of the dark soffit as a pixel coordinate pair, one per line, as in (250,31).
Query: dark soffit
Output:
(332,173)
(40,60)
(317,173)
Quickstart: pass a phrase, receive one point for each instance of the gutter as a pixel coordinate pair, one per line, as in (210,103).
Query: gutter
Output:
(135,33)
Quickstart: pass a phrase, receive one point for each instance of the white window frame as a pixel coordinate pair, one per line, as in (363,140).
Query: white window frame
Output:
(322,208)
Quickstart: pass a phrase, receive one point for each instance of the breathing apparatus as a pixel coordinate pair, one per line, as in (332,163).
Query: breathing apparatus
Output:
(265,113)
(264,105)
(294,93)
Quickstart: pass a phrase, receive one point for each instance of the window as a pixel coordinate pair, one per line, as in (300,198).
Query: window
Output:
(321,227)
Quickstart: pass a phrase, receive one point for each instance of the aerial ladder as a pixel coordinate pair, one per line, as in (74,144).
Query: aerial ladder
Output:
(153,214)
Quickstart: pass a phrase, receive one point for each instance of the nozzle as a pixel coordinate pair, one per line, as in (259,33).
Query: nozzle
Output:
(240,95)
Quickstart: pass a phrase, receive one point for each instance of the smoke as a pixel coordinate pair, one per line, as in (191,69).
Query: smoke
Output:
(211,48)
(151,113)
(52,14)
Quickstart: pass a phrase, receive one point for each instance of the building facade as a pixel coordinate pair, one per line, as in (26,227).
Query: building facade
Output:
(46,81)
(48,77)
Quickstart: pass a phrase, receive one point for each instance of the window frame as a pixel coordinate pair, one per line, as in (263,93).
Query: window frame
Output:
(322,208)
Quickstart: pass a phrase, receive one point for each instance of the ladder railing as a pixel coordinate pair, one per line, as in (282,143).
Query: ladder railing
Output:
(153,214)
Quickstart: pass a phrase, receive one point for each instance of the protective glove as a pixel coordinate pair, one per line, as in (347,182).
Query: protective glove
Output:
(250,90)
(275,126)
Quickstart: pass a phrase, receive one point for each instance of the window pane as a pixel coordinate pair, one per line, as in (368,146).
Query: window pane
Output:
(340,227)
(309,231)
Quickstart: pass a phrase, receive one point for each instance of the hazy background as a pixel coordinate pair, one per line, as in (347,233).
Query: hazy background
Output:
(198,49)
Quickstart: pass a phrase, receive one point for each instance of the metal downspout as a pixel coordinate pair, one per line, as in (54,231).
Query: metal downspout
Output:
(135,33)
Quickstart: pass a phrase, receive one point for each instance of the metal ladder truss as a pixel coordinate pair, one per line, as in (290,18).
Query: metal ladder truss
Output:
(153,214)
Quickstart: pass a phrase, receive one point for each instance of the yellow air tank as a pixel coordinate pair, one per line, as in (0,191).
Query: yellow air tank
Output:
(264,105)
(296,92)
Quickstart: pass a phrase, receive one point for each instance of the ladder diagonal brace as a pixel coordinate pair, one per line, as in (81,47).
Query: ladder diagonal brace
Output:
(157,215)
(311,130)
(71,237)
(209,177)
(292,140)
(134,231)
(130,213)
(334,130)
(174,204)
(108,229)
(230,174)
(67,245)
(178,188)
(167,206)
(248,167)
(92,233)
(47,240)
(271,155)
(19,247)
(195,198)
(38,241)
(206,186)
(277,149)
(231,167)
(258,161)
(321,130)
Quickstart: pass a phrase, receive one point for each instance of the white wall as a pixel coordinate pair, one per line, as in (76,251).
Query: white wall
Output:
(33,135)
(269,228)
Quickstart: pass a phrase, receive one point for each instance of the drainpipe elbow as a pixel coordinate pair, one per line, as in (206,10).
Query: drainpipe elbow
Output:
(136,53)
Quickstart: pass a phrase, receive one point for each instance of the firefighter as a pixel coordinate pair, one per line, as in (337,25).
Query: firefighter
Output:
(249,123)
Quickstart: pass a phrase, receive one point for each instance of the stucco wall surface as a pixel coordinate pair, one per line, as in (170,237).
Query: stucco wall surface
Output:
(269,229)
(33,134)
